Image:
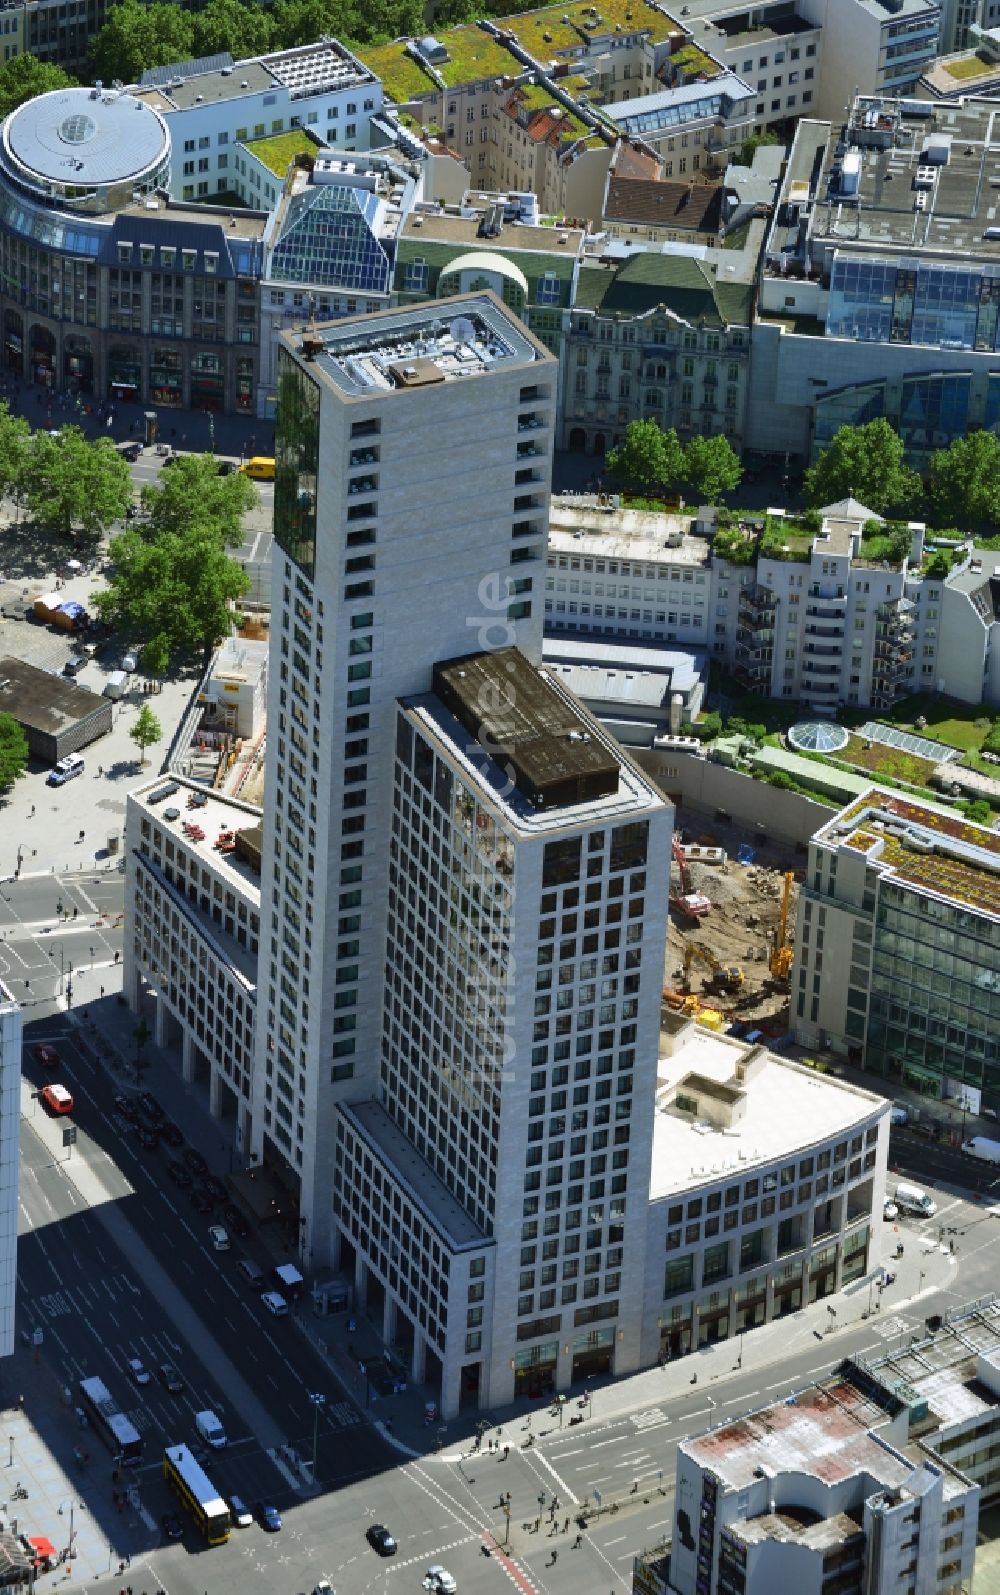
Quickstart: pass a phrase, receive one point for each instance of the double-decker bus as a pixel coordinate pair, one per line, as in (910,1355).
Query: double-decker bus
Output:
(121,1435)
(195,1490)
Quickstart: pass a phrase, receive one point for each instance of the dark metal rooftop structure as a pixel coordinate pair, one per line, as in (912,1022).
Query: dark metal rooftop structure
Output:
(523,722)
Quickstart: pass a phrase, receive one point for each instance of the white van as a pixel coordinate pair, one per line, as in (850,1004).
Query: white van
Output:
(116,685)
(911,1199)
(211,1430)
(275,1303)
(72,765)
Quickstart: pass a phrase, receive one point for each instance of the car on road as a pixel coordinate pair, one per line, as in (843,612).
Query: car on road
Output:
(241,1513)
(324,1587)
(219,1237)
(899,1113)
(57,1099)
(213,1187)
(150,1107)
(173,1528)
(47,1056)
(438,1579)
(170,1133)
(890,1212)
(194,1161)
(275,1303)
(130,451)
(228,468)
(201,1203)
(126,1107)
(179,1174)
(268,1516)
(170,1378)
(138,1372)
(147,1137)
(237,1223)
(380,1539)
(171,459)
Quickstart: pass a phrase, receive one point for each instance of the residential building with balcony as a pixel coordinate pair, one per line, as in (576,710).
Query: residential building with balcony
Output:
(766,1192)
(776,47)
(879,292)
(896,942)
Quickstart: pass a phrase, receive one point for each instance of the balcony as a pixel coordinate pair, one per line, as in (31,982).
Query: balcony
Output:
(815,667)
(827,609)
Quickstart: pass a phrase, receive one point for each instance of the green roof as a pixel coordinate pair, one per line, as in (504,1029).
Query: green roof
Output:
(591,286)
(683,284)
(402,78)
(473,54)
(278,151)
(585,20)
(533,263)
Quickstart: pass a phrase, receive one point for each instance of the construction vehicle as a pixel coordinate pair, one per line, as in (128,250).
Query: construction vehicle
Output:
(729,976)
(783,954)
(692,904)
(692,1007)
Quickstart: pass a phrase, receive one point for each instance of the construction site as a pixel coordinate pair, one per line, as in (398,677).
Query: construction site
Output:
(732,926)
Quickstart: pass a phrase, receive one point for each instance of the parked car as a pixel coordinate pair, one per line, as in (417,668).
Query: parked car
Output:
(194,1161)
(201,1203)
(241,1515)
(179,1174)
(380,1539)
(147,1137)
(47,1056)
(126,1107)
(170,1133)
(150,1107)
(269,1516)
(173,1528)
(57,1099)
(130,451)
(213,1187)
(66,770)
(170,1378)
(235,1220)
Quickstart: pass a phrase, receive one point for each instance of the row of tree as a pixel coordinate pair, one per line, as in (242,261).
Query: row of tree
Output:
(64,482)
(656,460)
(868,462)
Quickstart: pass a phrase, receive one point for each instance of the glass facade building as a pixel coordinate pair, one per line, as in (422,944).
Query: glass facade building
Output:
(915,302)
(328,237)
(296,448)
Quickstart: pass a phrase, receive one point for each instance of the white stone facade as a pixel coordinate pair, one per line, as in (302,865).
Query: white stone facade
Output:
(11,1042)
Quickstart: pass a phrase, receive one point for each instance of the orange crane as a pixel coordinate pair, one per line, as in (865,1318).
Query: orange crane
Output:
(783,955)
(692,904)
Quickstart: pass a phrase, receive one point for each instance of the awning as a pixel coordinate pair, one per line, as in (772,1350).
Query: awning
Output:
(42,1547)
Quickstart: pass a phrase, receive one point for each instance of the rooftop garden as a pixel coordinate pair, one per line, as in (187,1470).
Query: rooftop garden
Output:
(278,150)
(544,33)
(790,536)
(473,54)
(735,544)
(884,543)
(969,66)
(882,761)
(401,76)
(690,60)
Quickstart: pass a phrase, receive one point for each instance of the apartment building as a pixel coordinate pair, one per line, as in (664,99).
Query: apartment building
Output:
(894,1503)
(367,509)
(777,49)
(192,933)
(878,290)
(11,1044)
(766,1193)
(896,946)
(212,105)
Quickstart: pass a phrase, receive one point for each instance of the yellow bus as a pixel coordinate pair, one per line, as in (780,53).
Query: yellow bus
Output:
(197,1493)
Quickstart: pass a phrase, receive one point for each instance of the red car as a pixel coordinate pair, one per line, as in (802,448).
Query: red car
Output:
(46,1055)
(57,1099)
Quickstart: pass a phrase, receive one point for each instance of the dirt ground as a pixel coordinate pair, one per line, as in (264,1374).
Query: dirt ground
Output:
(740,928)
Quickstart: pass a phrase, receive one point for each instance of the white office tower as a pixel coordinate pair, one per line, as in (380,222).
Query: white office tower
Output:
(11,1041)
(411,498)
(494,1201)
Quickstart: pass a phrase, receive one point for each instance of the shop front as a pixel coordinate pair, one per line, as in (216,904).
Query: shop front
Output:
(593,1353)
(712,1318)
(124,374)
(823,1272)
(750,1304)
(78,364)
(166,378)
(208,382)
(788,1290)
(42,356)
(675,1333)
(855,1255)
(535,1369)
(13,343)
(244,384)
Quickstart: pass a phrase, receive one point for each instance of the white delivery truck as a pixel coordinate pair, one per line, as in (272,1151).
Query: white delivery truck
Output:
(911,1199)
(116,685)
(210,1428)
(983,1148)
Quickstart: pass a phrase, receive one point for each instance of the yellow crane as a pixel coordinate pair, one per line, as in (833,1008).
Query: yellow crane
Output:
(729,976)
(783,955)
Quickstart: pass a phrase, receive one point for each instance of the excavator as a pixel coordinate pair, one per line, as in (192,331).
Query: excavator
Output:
(729,977)
(694,905)
(783,955)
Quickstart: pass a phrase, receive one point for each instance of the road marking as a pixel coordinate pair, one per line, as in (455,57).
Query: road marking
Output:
(616,1541)
(564,1487)
(778,1384)
(575,1453)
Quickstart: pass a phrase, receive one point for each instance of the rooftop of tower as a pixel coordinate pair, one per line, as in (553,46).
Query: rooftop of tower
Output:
(417,346)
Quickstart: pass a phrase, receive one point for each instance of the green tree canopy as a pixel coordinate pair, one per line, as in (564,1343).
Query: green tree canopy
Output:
(866,463)
(146,730)
(137,36)
(15,451)
(192,491)
(755,141)
(70,481)
(243,29)
(23,78)
(13,751)
(711,468)
(649,457)
(302,21)
(965,482)
(171,591)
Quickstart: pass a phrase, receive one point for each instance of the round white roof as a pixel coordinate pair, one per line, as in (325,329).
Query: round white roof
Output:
(818,736)
(87,138)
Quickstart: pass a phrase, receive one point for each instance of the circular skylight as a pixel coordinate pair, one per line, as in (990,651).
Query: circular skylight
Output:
(817,736)
(77,129)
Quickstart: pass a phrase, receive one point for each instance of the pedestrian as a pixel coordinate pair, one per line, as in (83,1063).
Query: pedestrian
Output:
(578,1542)
(506,1452)
(566,1526)
(555,1558)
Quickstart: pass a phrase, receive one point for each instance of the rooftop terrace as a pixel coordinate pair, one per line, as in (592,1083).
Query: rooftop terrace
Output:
(925,847)
(278,151)
(403,79)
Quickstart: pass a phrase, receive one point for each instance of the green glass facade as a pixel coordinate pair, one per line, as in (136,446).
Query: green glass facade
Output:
(296,450)
(934,1009)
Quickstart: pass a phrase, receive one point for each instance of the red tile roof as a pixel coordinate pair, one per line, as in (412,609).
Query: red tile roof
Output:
(693,207)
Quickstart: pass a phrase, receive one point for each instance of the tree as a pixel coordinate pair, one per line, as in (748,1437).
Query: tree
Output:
(24,77)
(755,142)
(711,468)
(137,36)
(147,729)
(15,449)
(13,751)
(965,481)
(71,481)
(302,21)
(866,463)
(649,457)
(192,491)
(243,29)
(171,590)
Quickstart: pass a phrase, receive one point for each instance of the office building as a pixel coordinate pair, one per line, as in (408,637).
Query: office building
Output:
(896,942)
(879,288)
(962,22)
(371,511)
(766,1191)
(11,1043)
(869,1480)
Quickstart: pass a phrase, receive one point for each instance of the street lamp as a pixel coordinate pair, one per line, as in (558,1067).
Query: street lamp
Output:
(10,1464)
(317,1400)
(69,1542)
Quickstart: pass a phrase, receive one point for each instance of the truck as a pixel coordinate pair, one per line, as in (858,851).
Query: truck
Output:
(983,1148)
(911,1199)
(289,1280)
